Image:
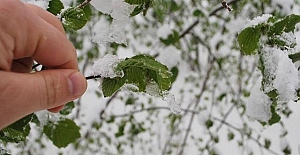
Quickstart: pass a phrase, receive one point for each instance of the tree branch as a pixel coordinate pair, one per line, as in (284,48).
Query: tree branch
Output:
(195,23)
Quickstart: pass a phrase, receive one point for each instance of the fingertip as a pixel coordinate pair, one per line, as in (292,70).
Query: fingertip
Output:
(77,84)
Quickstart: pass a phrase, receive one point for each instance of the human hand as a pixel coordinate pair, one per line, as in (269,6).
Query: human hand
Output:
(29,33)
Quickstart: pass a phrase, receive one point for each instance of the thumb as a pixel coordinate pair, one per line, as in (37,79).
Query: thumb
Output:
(22,94)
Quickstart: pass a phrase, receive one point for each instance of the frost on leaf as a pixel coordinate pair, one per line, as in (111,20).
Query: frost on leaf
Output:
(258,106)
(105,66)
(115,32)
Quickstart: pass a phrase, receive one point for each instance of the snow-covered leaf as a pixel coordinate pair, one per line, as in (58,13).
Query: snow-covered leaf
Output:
(62,133)
(73,18)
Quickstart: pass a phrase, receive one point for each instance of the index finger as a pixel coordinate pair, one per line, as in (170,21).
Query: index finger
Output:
(45,41)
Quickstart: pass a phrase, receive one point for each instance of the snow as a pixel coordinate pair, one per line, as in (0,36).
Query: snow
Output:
(258,106)
(258,20)
(270,58)
(287,80)
(115,32)
(173,105)
(41,3)
(153,90)
(104,6)
(105,66)
(280,73)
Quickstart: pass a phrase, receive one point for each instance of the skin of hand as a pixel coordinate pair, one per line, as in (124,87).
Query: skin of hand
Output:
(29,33)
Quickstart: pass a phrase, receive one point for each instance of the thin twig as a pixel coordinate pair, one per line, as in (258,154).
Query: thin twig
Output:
(83,4)
(149,109)
(93,77)
(243,133)
(107,104)
(195,107)
(195,23)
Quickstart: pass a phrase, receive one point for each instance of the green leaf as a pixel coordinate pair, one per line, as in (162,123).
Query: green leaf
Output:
(110,86)
(62,133)
(145,62)
(248,40)
(68,108)
(198,13)
(17,131)
(209,123)
(55,6)
(275,117)
(121,129)
(295,57)
(230,136)
(136,76)
(267,143)
(285,25)
(175,72)
(73,18)
(171,39)
(149,68)
(137,10)
(139,71)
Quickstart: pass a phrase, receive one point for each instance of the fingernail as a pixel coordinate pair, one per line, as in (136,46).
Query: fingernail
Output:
(77,84)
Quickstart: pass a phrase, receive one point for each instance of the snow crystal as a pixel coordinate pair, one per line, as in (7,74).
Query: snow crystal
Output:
(105,66)
(173,105)
(41,3)
(153,90)
(258,20)
(130,87)
(120,12)
(286,81)
(258,106)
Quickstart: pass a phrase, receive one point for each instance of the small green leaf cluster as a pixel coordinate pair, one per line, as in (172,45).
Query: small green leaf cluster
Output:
(61,132)
(139,70)
(273,33)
